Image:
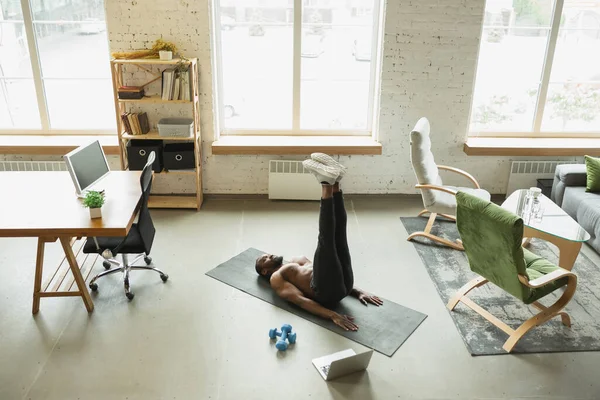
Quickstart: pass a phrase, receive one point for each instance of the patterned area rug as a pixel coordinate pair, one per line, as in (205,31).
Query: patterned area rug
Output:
(449,271)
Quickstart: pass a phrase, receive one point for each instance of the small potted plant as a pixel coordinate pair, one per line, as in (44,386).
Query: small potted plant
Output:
(165,49)
(94,201)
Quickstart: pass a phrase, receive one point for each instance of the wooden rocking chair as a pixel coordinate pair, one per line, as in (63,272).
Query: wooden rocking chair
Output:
(492,238)
(437,198)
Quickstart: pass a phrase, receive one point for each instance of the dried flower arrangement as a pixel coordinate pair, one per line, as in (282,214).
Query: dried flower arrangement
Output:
(148,53)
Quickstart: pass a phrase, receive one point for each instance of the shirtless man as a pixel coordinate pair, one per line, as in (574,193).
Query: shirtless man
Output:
(314,286)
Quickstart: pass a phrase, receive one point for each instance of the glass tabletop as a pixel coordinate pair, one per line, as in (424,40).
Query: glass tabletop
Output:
(554,221)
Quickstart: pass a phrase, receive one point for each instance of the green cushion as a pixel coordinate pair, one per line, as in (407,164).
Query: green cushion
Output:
(592,166)
(536,268)
(492,239)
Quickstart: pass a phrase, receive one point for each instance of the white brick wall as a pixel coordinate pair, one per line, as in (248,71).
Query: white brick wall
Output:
(429,58)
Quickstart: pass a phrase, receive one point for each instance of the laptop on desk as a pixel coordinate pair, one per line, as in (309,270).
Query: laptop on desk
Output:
(342,363)
(87,166)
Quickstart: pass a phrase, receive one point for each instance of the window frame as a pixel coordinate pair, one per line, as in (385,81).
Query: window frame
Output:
(374,82)
(535,132)
(38,81)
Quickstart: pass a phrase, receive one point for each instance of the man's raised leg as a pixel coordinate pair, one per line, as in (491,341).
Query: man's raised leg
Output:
(328,277)
(341,238)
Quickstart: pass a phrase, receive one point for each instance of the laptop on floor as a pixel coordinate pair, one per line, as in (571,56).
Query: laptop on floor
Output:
(342,363)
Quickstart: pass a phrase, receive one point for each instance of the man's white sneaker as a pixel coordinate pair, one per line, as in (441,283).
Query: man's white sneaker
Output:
(323,173)
(330,162)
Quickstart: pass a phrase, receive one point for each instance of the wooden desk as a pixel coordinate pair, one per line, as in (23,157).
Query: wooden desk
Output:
(44,205)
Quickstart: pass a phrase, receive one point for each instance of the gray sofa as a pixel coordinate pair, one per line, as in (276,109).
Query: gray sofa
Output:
(568,191)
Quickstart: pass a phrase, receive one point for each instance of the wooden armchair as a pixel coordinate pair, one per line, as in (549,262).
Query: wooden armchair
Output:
(492,239)
(438,199)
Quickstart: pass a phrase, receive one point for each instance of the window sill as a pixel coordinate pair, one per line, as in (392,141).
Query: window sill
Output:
(489,146)
(280,145)
(54,145)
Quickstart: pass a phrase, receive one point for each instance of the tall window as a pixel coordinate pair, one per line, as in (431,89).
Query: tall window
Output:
(539,69)
(296,66)
(54,67)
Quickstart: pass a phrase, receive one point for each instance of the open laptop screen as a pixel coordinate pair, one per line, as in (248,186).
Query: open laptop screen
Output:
(87,164)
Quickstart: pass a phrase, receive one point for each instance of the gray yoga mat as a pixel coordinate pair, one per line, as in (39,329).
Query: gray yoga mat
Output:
(383,329)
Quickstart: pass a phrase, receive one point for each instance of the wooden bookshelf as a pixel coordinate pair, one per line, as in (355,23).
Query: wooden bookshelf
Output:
(171,201)
(153,135)
(177,172)
(154,99)
(193,201)
(153,61)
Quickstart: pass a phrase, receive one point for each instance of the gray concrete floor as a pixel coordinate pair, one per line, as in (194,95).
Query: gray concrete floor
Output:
(196,338)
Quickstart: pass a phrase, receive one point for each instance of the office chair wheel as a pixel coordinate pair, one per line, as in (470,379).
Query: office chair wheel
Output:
(148,260)
(130,295)
(94,286)
(106,264)
(164,277)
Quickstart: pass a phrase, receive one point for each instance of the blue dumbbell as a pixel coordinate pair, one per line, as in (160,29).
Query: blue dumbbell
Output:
(285,334)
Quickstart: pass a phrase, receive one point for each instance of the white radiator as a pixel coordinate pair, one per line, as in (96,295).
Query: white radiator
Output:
(524,174)
(32,166)
(288,180)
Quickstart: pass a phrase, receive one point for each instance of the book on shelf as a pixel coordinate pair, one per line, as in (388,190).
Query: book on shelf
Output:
(126,124)
(135,123)
(132,124)
(130,88)
(144,123)
(176,88)
(168,78)
(130,92)
(185,86)
(176,84)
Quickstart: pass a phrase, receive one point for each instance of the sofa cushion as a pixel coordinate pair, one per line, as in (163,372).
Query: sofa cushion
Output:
(567,175)
(572,174)
(588,216)
(574,195)
(592,167)
(537,267)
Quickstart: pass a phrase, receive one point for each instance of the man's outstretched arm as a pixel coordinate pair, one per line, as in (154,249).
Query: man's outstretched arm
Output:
(365,297)
(291,293)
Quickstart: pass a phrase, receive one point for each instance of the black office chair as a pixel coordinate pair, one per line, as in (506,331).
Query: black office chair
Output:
(138,241)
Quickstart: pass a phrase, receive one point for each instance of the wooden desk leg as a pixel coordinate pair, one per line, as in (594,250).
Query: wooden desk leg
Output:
(85,294)
(39,266)
(568,254)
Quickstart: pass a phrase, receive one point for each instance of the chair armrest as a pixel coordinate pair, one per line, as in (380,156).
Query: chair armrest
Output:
(546,279)
(461,172)
(436,187)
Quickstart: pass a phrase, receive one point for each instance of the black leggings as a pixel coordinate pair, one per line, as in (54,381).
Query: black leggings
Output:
(332,269)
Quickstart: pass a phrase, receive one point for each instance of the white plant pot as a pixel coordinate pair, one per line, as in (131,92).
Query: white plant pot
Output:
(165,55)
(95,213)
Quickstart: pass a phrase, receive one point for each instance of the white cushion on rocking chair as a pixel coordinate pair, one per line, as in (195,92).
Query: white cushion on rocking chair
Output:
(422,160)
(445,203)
(427,173)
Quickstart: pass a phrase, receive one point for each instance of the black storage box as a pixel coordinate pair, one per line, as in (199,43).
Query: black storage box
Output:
(138,152)
(179,156)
